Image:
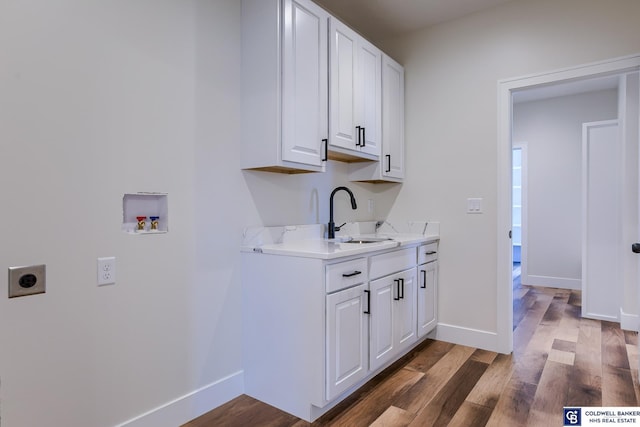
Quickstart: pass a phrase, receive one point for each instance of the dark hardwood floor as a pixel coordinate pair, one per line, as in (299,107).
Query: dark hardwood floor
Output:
(559,359)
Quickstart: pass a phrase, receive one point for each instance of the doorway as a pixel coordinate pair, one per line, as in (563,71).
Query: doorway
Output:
(519,211)
(507,89)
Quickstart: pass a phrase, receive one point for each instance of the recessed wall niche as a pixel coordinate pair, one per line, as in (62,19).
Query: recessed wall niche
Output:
(145,213)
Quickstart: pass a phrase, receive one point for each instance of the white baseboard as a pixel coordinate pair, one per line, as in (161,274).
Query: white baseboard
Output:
(552,282)
(629,322)
(597,316)
(467,336)
(191,405)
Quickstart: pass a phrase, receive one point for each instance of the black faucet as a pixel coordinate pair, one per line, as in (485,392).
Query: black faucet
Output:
(331,231)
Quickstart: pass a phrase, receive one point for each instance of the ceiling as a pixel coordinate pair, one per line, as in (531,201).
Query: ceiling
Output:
(381,19)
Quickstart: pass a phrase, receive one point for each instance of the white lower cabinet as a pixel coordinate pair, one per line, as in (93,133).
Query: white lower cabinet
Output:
(393,316)
(347,339)
(427,288)
(405,313)
(427,297)
(317,329)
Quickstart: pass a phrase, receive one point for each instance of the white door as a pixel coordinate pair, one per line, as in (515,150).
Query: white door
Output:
(347,339)
(602,280)
(304,81)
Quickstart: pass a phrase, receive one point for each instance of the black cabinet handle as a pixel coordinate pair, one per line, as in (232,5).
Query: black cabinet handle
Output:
(364,137)
(430,253)
(635,248)
(402,287)
(424,279)
(388,156)
(368,310)
(326,149)
(358,130)
(397,281)
(355,273)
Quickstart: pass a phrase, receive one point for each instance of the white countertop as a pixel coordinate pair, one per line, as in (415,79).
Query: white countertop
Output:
(305,241)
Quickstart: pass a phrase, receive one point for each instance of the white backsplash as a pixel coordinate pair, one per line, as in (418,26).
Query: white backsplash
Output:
(258,236)
(390,227)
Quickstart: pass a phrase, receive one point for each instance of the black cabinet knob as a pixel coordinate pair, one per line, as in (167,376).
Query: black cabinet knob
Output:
(635,248)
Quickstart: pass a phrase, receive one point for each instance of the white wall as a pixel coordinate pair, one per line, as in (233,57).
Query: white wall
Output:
(452,72)
(101,98)
(552,129)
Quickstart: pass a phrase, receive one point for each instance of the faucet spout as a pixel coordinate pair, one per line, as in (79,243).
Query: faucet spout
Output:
(331,229)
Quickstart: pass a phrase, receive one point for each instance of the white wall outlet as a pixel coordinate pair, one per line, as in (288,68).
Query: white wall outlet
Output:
(370,205)
(106,271)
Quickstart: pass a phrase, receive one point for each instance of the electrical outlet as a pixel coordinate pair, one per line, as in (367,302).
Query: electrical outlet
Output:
(106,271)
(29,280)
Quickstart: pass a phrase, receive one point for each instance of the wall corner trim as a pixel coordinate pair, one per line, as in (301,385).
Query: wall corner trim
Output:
(467,336)
(629,322)
(185,408)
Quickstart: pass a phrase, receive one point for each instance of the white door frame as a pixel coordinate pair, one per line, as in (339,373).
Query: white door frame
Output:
(506,88)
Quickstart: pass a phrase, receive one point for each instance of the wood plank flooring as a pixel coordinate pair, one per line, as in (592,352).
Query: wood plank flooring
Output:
(559,359)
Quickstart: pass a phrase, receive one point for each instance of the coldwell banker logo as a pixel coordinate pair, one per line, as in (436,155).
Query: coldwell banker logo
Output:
(572,417)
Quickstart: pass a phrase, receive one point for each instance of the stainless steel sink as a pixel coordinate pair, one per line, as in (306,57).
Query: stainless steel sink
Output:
(366,240)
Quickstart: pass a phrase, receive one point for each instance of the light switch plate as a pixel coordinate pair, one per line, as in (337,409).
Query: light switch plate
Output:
(474,205)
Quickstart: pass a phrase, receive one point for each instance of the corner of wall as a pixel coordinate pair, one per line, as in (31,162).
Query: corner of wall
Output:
(191,405)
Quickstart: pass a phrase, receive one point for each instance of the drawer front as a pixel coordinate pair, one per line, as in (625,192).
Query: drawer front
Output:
(345,274)
(392,262)
(427,253)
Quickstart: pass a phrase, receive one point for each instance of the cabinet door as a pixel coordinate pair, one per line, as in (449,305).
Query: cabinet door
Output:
(304,82)
(369,97)
(347,339)
(405,310)
(343,47)
(392,119)
(381,343)
(393,316)
(427,298)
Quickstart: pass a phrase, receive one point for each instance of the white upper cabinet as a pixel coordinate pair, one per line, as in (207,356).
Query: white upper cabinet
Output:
(369,96)
(355,88)
(392,119)
(304,82)
(285,85)
(390,168)
(313,89)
